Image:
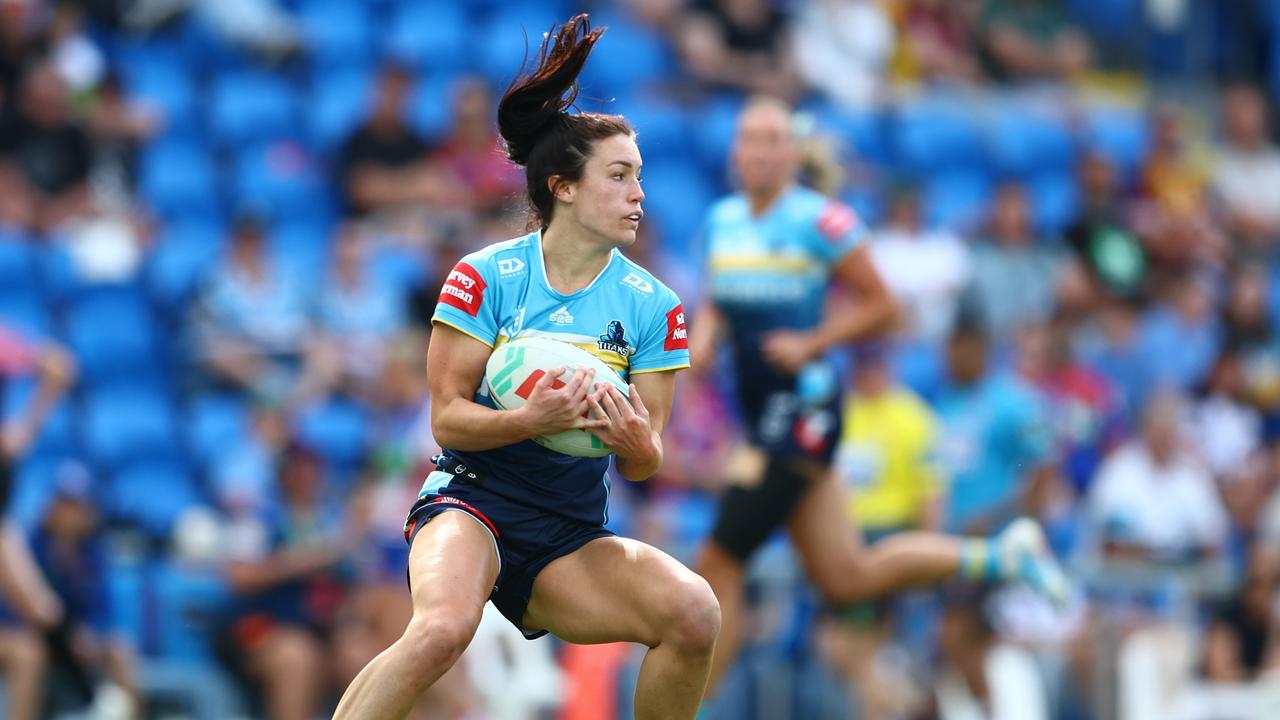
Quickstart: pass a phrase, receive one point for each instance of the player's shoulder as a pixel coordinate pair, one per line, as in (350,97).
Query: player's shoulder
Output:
(503,259)
(635,279)
(728,209)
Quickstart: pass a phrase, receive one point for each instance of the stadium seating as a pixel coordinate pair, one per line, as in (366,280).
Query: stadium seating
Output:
(429,35)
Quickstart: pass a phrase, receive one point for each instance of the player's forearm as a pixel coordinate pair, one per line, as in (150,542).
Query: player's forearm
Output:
(465,425)
(642,466)
(864,320)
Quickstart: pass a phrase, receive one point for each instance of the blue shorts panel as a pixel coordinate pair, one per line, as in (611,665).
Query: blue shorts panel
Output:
(528,539)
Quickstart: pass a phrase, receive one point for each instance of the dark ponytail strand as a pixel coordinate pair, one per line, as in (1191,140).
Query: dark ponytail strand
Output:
(533,119)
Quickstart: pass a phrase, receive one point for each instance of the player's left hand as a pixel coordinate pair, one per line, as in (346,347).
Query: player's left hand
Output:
(788,350)
(628,432)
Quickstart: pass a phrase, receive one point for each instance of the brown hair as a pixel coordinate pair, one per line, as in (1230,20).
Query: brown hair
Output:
(536,126)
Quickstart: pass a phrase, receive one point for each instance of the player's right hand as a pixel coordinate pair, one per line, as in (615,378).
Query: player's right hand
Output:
(552,409)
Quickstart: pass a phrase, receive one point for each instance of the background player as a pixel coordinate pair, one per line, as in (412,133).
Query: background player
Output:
(504,518)
(771,251)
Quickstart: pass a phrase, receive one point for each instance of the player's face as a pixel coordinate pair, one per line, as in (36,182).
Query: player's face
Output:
(763,152)
(606,201)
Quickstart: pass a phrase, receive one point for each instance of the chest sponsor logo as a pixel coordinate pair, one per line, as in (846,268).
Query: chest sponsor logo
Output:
(510,266)
(677,334)
(463,289)
(637,282)
(562,316)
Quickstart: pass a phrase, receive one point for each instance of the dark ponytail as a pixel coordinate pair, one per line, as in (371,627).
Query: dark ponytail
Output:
(536,127)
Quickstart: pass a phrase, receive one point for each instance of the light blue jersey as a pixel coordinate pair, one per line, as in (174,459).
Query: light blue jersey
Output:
(772,272)
(625,317)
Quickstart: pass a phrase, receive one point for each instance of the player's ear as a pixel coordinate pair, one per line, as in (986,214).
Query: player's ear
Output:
(562,189)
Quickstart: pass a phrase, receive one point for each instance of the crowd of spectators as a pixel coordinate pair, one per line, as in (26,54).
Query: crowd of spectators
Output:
(234,215)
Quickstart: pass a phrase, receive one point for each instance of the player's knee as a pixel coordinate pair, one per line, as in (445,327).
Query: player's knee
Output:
(695,619)
(438,642)
(297,654)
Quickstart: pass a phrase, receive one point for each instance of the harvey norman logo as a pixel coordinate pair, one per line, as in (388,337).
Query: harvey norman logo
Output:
(510,266)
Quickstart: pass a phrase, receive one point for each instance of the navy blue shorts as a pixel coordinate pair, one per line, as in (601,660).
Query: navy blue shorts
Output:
(527,539)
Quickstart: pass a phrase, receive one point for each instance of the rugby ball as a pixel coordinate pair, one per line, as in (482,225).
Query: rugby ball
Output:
(515,367)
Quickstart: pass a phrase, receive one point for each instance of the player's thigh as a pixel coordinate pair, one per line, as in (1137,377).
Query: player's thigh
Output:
(826,538)
(617,589)
(453,565)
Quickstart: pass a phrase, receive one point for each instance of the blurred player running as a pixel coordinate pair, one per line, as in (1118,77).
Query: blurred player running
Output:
(771,251)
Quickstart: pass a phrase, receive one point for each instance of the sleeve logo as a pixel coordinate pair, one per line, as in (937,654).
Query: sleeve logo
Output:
(677,335)
(463,289)
(836,221)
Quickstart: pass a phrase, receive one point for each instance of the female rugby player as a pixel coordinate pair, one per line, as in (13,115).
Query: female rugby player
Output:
(502,518)
(772,251)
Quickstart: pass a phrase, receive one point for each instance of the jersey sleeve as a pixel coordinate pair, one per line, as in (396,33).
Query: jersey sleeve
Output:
(665,342)
(467,302)
(836,232)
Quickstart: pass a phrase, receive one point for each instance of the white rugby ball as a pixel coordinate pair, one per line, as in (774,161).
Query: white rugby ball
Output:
(515,367)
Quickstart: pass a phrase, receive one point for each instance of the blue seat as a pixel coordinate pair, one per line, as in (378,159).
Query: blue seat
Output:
(863,133)
(956,199)
(246,107)
(184,253)
(1021,142)
(662,128)
(151,495)
(1120,134)
(129,600)
(177,178)
(188,603)
(26,314)
(17,263)
(337,429)
(713,131)
(516,30)
(429,35)
(112,334)
(677,198)
(34,485)
(302,245)
(633,57)
(283,176)
(338,103)
(336,31)
(430,111)
(214,424)
(935,136)
(127,422)
(1055,199)
(166,87)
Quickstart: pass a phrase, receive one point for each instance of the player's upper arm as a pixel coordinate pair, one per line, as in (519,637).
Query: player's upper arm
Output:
(455,365)
(657,391)
(836,233)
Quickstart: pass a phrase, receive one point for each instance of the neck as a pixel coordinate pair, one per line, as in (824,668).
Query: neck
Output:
(761,201)
(572,260)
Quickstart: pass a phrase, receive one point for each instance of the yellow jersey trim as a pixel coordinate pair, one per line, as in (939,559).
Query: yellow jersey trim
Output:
(464,331)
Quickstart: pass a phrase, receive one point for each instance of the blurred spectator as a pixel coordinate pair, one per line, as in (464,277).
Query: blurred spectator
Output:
(886,458)
(983,677)
(77,58)
(1100,237)
(1243,640)
(1246,174)
(22,39)
(472,155)
(1175,176)
(1012,264)
(70,548)
(23,665)
(738,45)
(1180,338)
(1227,430)
(1152,500)
(251,321)
(935,42)
(855,36)
(927,269)
(282,565)
(1083,409)
(245,473)
(1109,343)
(44,155)
(1024,40)
(995,442)
(383,166)
(263,26)
(118,128)
(357,317)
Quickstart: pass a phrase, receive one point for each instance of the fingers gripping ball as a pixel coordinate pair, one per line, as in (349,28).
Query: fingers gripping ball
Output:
(515,367)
